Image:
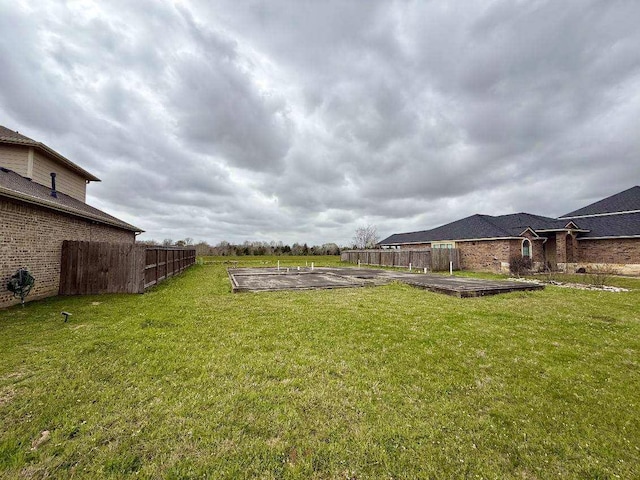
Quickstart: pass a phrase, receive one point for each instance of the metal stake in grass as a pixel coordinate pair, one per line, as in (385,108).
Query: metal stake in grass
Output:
(66,316)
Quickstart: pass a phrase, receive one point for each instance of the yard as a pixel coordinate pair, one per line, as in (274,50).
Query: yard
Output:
(190,380)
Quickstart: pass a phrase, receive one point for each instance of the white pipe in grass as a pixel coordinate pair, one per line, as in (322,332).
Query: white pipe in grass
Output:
(312,266)
(409,266)
(278,265)
(425,269)
(450,268)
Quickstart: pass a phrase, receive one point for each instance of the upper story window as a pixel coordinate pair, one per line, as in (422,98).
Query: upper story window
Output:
(526,247)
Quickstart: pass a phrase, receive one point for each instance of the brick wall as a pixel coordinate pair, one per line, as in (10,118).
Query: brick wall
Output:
(487,255)
(622,254)
(31,236)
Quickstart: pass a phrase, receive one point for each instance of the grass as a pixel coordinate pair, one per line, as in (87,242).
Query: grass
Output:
(191,381)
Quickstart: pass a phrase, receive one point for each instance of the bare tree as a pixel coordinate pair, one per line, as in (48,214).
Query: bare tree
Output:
(366,237)
(167,242)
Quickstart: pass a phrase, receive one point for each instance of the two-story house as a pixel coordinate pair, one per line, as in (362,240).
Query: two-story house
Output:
(42,203)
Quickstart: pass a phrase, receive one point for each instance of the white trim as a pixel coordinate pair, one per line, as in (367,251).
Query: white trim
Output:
(455,241)
(600,214)
(531,230)
(608,238)
(580,230)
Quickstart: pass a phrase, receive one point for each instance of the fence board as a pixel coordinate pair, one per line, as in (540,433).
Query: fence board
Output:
(98,267)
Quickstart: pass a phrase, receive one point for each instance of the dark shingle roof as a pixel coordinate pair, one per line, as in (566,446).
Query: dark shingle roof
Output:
(626,201)
(616,225)
(17,187)
(478,227)
(605,224)
(8,136)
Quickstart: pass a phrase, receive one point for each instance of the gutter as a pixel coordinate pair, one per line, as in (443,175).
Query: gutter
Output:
(608,238)
(456,241)
(69,210)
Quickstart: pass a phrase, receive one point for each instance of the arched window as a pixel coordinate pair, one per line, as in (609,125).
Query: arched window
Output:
(526,248)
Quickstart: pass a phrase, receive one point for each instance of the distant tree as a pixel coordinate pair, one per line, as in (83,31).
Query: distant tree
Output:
(150,243)
(203,248)
(188,241)
(167,242)
(330,249)
(366,237)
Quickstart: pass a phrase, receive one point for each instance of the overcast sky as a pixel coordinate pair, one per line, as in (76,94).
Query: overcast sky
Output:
(300,121)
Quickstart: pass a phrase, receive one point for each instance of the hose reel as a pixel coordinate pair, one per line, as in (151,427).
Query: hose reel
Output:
(20,283)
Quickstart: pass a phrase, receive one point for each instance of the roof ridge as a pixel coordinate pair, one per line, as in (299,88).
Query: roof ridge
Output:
(494,224)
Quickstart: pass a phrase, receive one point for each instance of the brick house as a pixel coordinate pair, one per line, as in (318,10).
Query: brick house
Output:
(38,210)
(605,233)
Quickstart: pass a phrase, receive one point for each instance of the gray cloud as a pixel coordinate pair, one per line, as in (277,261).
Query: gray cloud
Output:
(299,121)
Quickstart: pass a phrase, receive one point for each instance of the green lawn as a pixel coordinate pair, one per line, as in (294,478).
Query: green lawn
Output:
(191,381)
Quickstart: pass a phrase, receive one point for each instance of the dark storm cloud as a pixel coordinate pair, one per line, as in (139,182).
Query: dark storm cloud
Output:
(300,121)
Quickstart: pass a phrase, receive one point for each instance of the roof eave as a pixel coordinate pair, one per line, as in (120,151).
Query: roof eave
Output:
(610,237)
(69,210)
(454,240)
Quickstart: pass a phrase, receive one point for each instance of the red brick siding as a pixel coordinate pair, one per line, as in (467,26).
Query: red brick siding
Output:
(31,236)
(486,255)
(623,250)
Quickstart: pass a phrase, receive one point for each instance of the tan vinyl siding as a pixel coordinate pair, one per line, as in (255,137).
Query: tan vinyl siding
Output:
(14,158)
(66,181)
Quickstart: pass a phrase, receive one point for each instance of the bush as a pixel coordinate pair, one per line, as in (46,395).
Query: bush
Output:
(600,274)
(519,264)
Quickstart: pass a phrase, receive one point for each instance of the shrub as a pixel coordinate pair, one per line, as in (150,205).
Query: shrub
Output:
(600,274)
(519,264)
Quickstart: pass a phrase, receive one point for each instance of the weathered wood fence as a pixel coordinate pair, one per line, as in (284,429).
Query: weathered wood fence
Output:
(88,268)
(164,262)
(434,259)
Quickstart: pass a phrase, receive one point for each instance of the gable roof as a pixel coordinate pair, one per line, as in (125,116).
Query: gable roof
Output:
(626,201)
(9,137)
(478,227)
(20,188)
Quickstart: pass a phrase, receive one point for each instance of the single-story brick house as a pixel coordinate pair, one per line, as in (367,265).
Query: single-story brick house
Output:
(38,210)
(605,233)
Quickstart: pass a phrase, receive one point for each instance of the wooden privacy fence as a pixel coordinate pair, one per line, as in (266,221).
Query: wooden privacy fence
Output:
(88,268)
(164,262)
(436,259)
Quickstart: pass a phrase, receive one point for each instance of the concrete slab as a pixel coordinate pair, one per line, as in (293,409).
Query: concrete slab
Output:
(270,279)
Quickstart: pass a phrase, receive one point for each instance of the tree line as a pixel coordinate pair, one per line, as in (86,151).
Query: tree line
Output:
(248,248)
(365,237)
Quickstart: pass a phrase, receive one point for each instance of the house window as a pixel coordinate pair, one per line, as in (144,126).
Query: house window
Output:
(526,248)
(448,245)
